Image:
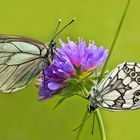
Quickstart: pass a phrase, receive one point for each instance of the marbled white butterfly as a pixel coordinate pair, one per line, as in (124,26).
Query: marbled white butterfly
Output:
(119,90)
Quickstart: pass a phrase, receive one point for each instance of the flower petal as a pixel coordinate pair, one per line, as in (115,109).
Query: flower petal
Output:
(67,60)
(54,86)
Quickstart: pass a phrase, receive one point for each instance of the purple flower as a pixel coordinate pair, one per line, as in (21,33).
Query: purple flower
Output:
(71,57)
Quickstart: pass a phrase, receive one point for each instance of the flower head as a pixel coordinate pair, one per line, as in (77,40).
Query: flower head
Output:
(69,58)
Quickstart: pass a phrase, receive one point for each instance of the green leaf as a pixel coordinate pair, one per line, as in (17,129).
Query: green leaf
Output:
(60,101)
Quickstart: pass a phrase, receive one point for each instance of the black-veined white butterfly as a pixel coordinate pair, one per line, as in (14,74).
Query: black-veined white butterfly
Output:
(22,58)
(119,90)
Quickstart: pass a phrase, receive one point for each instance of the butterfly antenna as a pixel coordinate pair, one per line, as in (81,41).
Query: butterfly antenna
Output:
(58,24)
(55,35)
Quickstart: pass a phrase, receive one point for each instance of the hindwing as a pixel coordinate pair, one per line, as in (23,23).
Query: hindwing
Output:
(120,89)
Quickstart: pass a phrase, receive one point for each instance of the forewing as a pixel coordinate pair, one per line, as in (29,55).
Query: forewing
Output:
(12,38)
(120,89)
(20,61)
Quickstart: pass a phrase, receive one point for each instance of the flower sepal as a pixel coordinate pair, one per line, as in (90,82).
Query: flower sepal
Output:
(72,87)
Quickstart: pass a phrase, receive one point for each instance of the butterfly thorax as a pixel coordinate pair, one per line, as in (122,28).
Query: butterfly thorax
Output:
(94,98)
(50,52)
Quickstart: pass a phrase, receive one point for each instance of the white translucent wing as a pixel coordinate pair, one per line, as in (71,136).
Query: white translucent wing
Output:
(20,60)
(120,89)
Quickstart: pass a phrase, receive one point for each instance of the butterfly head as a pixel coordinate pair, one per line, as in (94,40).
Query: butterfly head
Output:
(52,46)
(92,107)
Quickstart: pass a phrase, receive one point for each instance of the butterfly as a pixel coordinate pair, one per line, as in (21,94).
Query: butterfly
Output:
(22,58)
(119,90)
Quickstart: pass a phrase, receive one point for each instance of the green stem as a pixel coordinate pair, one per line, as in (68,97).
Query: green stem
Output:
(101,125)
(115,39)
(98,115)
(99,118)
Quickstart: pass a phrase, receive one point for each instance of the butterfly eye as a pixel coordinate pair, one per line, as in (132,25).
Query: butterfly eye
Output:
(133,74)
(137,93)
(91,107)
(94,89)
(138,79)
(53,44)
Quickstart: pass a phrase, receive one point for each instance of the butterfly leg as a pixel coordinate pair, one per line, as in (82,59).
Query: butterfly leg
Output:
(43,73)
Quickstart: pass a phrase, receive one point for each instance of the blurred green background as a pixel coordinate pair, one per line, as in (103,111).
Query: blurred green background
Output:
(23,117)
